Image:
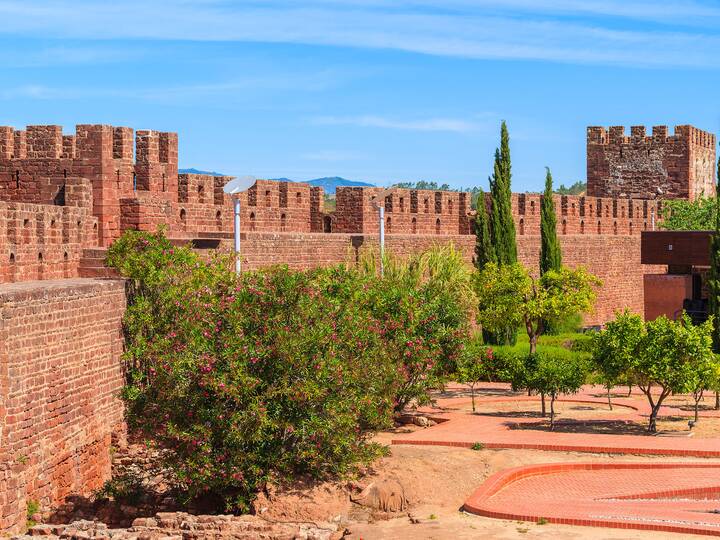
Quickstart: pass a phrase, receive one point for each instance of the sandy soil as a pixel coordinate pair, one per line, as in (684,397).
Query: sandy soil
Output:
(439,479)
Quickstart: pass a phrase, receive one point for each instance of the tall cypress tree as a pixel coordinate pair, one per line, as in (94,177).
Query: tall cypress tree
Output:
(550,254)
(484,249)
(714,279)
(502,226)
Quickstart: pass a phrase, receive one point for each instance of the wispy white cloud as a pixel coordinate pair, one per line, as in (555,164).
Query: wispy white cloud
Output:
(676,33)
(427,124)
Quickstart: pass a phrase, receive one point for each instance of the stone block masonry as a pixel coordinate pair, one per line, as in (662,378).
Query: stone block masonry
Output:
(614,259)
(659,166)
(60,376)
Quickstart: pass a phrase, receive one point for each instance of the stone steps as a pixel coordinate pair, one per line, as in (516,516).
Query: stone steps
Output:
(92,264)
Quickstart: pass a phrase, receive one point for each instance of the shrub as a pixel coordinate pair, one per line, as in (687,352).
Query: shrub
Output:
(279,373)
(425,303)
(273,374)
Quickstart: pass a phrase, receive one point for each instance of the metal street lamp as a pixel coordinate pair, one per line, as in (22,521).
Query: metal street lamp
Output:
(380,207)
(239,186)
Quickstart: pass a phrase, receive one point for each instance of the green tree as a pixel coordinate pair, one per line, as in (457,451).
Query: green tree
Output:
(509,296)
(484,249)
(685,215)
(550,254)
(615,349)
(473,369)
(553,373)
(578,188)
(502,226)
(668,357)
(714,282)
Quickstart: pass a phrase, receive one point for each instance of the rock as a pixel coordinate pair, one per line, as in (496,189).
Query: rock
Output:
(386,495)
(421,421)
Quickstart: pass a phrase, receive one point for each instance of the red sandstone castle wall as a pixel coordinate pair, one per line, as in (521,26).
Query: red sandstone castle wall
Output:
(578,214)
(41,241)
(60,374)
(647,167)
(35,163)
(614,259)
(406,211)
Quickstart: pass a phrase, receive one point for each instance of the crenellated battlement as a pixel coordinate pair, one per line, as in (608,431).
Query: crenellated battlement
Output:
(618,135)
(642,166)
(580,214)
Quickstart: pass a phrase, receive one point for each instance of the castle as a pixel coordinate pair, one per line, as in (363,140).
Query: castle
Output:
(65,198)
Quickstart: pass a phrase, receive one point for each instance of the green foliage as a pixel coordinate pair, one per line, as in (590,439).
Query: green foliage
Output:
(509,296)
(713,283)
(425,302)
(550,254)
(577,188)
(477,446)
(33,507)
(551,372)
(475,366)
(502,226)
(484,248)
(686,215)
(279,373)
(614,350)
(127,488)
(662,356)
(424,184)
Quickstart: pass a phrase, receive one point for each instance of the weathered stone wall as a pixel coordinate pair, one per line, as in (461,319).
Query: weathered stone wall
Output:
(406,211)
(648,167)
(614,259)
(41,241)
(578,214)
(60,374)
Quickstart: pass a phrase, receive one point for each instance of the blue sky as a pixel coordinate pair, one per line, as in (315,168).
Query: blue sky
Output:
(374,90)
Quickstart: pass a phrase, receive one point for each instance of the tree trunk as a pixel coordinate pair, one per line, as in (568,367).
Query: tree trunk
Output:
(542,399)
(652,426)
(629,390)
(552,412)
(533,343)
(608,396)
(698,397)
(472,393)
(717,400)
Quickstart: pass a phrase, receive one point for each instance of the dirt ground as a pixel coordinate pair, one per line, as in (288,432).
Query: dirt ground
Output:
(439,479)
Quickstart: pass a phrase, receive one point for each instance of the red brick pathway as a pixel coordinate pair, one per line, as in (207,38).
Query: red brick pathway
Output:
(668,497)
(465,429)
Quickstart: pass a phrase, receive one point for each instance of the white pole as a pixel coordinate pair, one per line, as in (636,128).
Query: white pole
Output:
(652,219)
(236,205)
(382,240)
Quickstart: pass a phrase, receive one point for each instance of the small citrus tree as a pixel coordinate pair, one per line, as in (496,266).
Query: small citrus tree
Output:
(473,368)
(666,357)
(510,295)
(553,373)
(615,349)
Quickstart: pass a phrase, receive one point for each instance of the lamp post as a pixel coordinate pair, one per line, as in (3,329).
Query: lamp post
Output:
(235,188)
(380,206)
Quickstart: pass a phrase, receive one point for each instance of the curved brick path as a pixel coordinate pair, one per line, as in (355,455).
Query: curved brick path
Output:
(668,497)
(465,429)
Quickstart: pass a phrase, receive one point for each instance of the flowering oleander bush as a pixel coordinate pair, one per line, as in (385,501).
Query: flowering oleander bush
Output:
(426,304)
(275,373)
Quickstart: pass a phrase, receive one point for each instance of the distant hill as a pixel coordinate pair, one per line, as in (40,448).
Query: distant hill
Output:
(196,171)
(330,183)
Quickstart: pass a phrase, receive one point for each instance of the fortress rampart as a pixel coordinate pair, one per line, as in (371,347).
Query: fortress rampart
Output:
(660,166)
(65,198)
